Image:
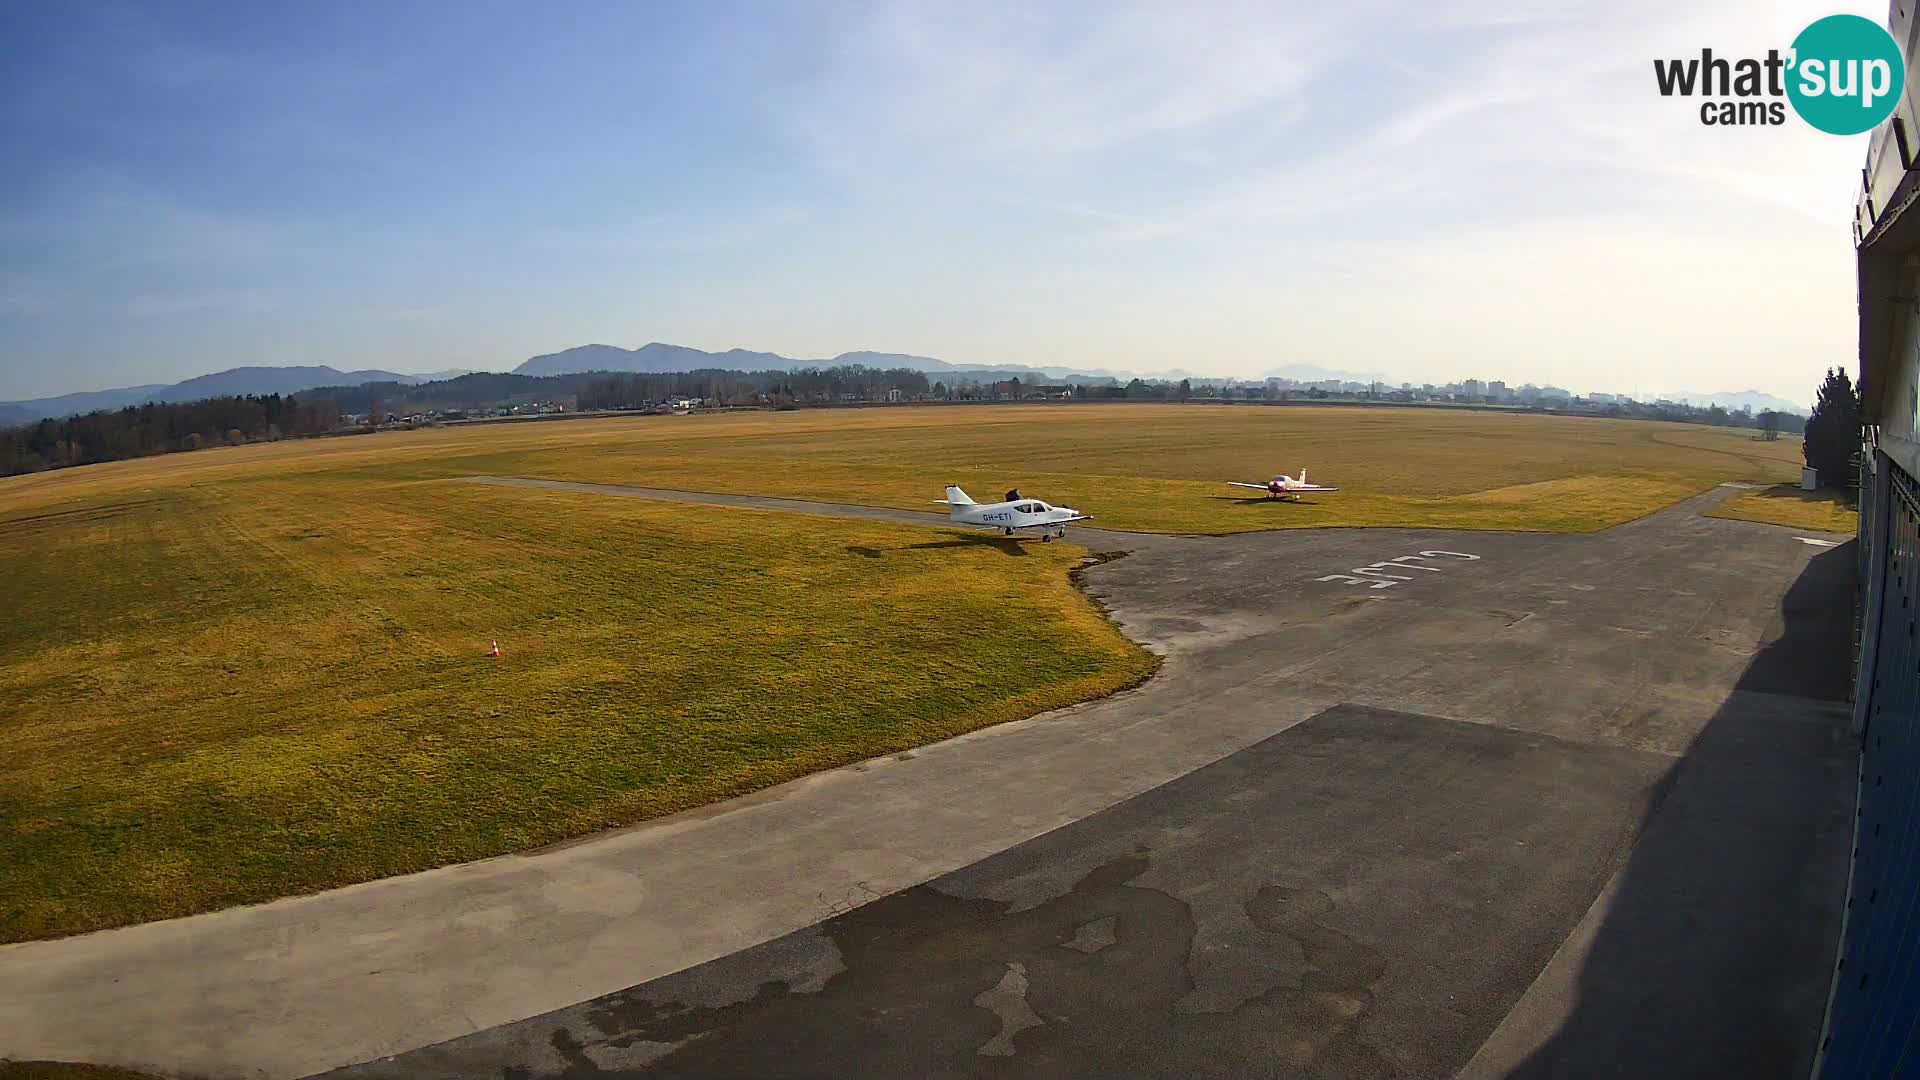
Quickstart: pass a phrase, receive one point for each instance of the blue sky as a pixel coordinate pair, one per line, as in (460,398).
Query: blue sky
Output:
(1475,191)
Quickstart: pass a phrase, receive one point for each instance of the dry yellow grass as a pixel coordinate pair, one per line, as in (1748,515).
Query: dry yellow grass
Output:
(1139,467)
(1164,468)
(244,688)
(1815,511)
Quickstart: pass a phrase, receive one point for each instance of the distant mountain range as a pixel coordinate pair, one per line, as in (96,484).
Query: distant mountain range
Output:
(658,357)
(1312,373)
(1743,399)
(240,380)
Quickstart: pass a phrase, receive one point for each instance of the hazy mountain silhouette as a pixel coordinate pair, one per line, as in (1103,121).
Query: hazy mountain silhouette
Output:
(658,356)
(1742,399)
(233,381)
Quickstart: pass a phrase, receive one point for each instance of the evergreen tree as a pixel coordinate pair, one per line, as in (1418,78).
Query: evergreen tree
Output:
(1833,431)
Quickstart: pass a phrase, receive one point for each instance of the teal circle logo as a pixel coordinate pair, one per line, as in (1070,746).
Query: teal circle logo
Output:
(1846,74)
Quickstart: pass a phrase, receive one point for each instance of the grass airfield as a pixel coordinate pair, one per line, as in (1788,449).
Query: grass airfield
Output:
(245,673)
(243,690)
(1149,468)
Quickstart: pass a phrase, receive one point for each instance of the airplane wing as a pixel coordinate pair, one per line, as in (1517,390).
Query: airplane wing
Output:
(1311,487)
(1256,487)
(1051,524)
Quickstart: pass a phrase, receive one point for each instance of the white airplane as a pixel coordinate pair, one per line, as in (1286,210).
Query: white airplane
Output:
(1014,513)
(1285,487)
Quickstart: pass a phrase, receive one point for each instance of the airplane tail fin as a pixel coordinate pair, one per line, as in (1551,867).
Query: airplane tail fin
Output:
(1303,474)
(956,498)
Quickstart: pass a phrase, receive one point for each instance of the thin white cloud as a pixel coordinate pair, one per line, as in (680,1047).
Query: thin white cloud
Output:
(1048,90)
(1520,172)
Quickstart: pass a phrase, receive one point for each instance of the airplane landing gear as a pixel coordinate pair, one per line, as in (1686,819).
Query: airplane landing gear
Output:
(1046,538)
(1009,532)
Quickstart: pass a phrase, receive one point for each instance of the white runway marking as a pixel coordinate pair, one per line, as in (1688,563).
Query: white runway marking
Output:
(1817,543)
(1388,573)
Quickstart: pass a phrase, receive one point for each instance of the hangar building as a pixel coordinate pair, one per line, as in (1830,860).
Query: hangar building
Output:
(1873,1022)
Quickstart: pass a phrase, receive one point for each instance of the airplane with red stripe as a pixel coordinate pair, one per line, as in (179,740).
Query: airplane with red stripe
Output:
(1286,487)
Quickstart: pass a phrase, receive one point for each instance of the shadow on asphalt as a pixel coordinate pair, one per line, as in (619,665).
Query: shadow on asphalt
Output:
(1714,957)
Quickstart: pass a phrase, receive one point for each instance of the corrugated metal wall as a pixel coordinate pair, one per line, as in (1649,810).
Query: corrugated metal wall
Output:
(1873,1025)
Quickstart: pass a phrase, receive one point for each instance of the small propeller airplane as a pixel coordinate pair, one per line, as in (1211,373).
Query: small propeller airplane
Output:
(1285,487)
(1016,512)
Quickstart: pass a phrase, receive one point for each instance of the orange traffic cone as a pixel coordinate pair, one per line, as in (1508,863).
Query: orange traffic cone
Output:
(495,651)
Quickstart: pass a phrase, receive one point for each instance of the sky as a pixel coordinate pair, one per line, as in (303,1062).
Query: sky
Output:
(1490,190)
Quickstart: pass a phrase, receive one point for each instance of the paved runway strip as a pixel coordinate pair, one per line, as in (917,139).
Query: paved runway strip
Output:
(1321,902)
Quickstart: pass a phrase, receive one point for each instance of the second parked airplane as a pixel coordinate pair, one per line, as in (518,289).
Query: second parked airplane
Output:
(1285,487)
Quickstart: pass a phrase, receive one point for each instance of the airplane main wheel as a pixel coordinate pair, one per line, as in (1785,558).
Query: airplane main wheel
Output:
(1045,539)
(1009,532)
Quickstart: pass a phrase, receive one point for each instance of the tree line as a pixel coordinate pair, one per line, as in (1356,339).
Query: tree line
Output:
(595,390)
(159,428)
(477,390)
(841,382)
